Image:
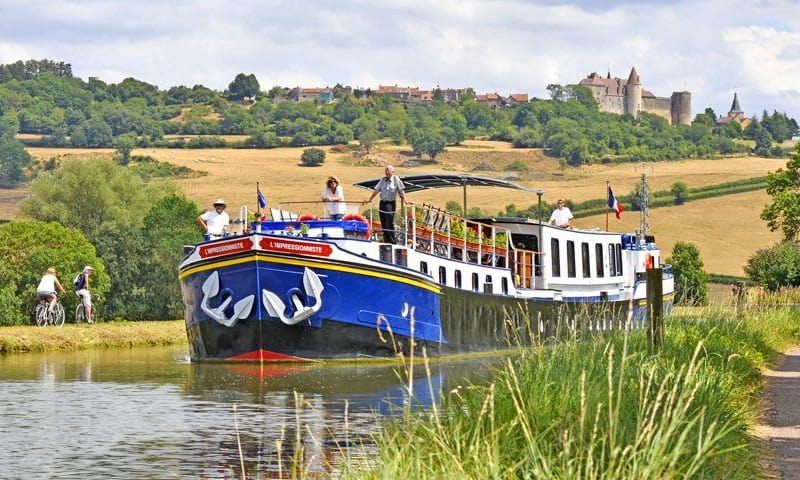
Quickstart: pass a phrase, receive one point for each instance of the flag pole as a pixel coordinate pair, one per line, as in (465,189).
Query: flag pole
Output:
(607,186)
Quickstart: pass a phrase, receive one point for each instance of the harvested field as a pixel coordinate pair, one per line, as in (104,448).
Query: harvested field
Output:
(727,230)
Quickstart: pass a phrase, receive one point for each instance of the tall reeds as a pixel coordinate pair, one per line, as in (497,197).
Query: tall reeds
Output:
(603,408)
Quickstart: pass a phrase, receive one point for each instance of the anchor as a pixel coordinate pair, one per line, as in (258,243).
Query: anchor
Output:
(313,288)
(241,309)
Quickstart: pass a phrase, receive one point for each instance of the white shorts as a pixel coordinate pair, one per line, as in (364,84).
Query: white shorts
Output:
(85,295)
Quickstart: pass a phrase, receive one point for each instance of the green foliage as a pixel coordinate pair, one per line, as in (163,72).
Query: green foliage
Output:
(27,250)
(13,160)
(87,194)
(784,188)
(691,281)
(775,267)
(680,191)
(142,261)
(312,157)
(243,86)
(601,409)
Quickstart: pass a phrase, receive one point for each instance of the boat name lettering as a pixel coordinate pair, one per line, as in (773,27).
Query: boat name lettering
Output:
(225,248)
(296,247)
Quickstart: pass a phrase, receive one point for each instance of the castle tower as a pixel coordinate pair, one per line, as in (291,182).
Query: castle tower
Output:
(681,109)
(633,93)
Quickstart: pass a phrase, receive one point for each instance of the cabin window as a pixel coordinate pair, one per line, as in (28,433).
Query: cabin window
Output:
(598,259)
(587,271)
(619,259)
(537,257)
(555,254)
(570,259)
(475,286)
(442,276)
(423,267)
(504,285)
(458,278)
(612,261)
(488,287)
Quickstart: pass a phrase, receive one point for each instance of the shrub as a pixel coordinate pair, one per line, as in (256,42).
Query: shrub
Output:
(775,267)
(312,157)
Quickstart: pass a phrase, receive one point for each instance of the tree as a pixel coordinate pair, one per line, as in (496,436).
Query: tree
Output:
(775,267)
(27,249)
(784,188)
(243,86)
(367,138)
(13,160)
(691,281)
(312,157)
(427,141)
(86,194)
(125,145)
(680,191)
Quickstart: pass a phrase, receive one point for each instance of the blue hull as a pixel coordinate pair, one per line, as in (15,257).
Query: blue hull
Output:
(297,304)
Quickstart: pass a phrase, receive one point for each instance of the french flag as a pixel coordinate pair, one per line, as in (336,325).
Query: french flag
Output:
(613,204)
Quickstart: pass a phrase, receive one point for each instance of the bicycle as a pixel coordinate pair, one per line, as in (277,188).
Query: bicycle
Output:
(44,317)
(80,313)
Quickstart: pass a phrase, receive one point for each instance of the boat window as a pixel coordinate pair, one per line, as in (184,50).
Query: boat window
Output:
(442,276)
(619,259)
(556,256)
(488,287)
(423,267)
(598,259)
(504,284)
(570,259)
(587,271)
(458,278)
(612,261)
(475,285)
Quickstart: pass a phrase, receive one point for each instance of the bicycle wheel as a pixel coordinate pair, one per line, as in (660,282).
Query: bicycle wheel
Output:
(41,315)
(80,313)
(58,315)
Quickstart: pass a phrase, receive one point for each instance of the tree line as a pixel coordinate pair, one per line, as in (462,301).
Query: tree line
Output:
(43,98)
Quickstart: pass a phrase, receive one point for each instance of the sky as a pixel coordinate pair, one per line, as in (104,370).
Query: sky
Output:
(710,48)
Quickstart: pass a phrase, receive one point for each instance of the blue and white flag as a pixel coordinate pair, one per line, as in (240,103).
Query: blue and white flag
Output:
(262,201)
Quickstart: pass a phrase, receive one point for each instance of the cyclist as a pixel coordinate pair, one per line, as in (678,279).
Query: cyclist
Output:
(82,290)
(47,288)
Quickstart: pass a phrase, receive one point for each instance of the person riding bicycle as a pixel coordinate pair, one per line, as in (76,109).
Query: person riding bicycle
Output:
(82,290)
(47,288)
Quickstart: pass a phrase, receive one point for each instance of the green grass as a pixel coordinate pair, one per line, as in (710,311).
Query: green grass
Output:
(604,409)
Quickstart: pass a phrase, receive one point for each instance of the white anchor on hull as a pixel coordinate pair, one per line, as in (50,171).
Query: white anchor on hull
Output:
(241,309)
(275,306)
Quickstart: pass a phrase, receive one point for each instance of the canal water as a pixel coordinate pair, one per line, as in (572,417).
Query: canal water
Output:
(150,413)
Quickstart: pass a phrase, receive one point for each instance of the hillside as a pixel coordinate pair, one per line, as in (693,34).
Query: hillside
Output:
(727,230)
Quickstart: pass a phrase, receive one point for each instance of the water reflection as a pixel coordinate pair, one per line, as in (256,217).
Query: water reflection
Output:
(150,413)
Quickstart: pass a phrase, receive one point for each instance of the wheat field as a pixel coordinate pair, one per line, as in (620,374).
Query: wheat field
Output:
(726,230)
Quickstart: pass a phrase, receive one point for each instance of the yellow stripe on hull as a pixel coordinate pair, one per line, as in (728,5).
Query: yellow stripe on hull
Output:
(309,263)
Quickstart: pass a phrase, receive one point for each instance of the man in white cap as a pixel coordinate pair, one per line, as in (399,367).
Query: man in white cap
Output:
(215,222)
(82,290)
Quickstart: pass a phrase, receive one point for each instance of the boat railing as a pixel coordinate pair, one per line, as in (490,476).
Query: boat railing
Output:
(438,231)
(316,210)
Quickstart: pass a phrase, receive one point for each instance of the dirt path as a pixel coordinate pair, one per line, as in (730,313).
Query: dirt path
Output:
(780,427)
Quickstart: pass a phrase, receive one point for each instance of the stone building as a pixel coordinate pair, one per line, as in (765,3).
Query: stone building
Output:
(620,96)
(736,114)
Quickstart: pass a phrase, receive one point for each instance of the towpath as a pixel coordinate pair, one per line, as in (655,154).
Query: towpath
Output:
(780,422)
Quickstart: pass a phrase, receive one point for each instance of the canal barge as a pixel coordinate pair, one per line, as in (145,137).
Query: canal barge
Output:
(301,287)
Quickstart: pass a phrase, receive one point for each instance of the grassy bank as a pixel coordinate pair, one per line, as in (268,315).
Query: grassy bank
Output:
(605,409)
(100,335)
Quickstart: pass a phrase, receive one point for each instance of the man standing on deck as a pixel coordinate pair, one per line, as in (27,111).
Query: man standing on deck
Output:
(389,187)
(215,223)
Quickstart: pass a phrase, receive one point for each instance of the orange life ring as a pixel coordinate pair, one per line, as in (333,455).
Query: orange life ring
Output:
(360,218)
(307,216)
(648,261)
